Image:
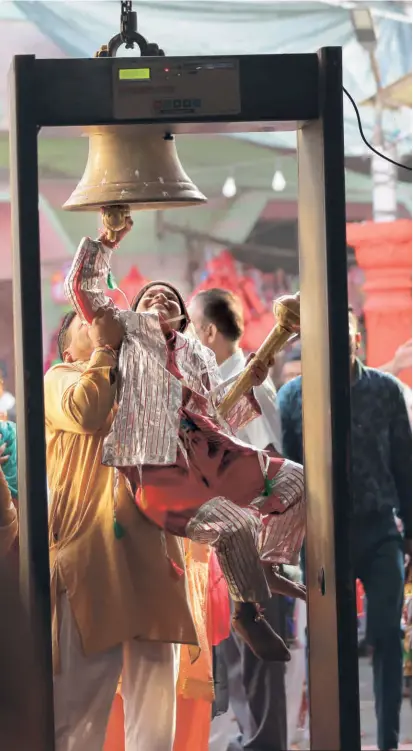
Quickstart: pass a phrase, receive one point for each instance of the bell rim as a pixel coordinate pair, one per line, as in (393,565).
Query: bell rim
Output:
(137,205)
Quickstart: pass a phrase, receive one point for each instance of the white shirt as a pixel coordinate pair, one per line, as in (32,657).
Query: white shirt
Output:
(266,429)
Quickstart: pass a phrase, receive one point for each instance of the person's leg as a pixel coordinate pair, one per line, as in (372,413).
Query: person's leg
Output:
(281,585)
(193,724)
(382,575)
(295,676)
(275,489)
(280,543)
(149,676)
(234,533)
(83,690)
(219,671)
(282,536)
(257,690)
(265,482)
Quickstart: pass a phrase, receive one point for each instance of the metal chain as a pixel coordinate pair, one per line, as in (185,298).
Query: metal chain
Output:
(127,22)
(129,36)
(126,8)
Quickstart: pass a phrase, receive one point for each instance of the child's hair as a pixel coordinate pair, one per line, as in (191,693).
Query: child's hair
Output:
(185,320)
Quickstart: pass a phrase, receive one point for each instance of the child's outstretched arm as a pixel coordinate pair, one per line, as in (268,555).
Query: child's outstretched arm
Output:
(86,283)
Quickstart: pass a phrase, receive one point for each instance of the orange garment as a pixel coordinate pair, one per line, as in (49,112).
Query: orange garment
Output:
(115,733)
(118,588)
(195,679)
(195,688)
(193,723)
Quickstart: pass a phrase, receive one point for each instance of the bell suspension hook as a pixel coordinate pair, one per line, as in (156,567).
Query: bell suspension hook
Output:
(114,217)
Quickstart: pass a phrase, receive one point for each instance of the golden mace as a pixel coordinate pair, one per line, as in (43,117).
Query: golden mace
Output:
(287,316)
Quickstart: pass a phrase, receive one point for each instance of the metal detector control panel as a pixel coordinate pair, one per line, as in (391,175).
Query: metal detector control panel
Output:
(175,88)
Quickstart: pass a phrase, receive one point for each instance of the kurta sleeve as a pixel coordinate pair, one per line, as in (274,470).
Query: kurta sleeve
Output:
(86,282)
(8,517)
(81,401)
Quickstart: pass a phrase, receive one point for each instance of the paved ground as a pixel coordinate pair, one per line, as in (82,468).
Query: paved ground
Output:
(368,720)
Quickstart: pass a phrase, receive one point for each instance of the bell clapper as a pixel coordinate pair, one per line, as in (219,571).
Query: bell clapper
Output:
(114,220)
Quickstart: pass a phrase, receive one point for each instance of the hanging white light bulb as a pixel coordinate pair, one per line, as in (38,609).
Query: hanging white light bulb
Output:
(229,188)
(278,181)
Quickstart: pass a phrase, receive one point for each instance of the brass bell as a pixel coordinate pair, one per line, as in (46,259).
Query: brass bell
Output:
(134,168)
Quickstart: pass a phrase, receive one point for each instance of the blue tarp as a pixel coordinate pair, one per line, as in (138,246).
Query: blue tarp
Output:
(191,27)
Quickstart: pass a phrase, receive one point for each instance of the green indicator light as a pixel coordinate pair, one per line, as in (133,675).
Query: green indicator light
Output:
(135,74)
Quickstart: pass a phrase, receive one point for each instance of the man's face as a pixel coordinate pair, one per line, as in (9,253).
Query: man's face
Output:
(290,370)
(161,300)
(202,328)
(79,346)
(354,337)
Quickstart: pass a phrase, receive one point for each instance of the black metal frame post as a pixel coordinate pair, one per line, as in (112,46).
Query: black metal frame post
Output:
(332,623)
(276,92)
(28,352)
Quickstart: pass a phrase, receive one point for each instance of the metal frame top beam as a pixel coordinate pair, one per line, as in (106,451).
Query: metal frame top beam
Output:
(273,88)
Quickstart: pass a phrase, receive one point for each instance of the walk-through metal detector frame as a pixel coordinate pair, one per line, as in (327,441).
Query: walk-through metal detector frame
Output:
(302,92)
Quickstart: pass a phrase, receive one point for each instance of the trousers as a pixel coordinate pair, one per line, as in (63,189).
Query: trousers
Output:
(382,575)
(378,563)
(85,688)
(257,690)
(242,539)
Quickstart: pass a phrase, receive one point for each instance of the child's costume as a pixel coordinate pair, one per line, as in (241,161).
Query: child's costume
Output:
(188,472)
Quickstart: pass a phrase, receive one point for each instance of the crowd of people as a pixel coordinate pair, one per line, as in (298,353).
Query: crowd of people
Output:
(177,550)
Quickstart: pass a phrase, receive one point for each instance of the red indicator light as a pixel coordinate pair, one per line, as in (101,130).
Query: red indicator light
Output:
(166,70)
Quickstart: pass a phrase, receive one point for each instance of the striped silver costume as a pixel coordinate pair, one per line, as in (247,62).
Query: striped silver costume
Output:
(146,426)
(242,537)
(145,429)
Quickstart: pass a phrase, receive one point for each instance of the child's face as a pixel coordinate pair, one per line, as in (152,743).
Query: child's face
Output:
(162,300)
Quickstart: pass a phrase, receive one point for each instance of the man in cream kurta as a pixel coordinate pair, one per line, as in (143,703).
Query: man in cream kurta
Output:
(257,690)
(117,605)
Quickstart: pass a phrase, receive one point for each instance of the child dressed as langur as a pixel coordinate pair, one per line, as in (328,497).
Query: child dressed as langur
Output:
(187,471)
